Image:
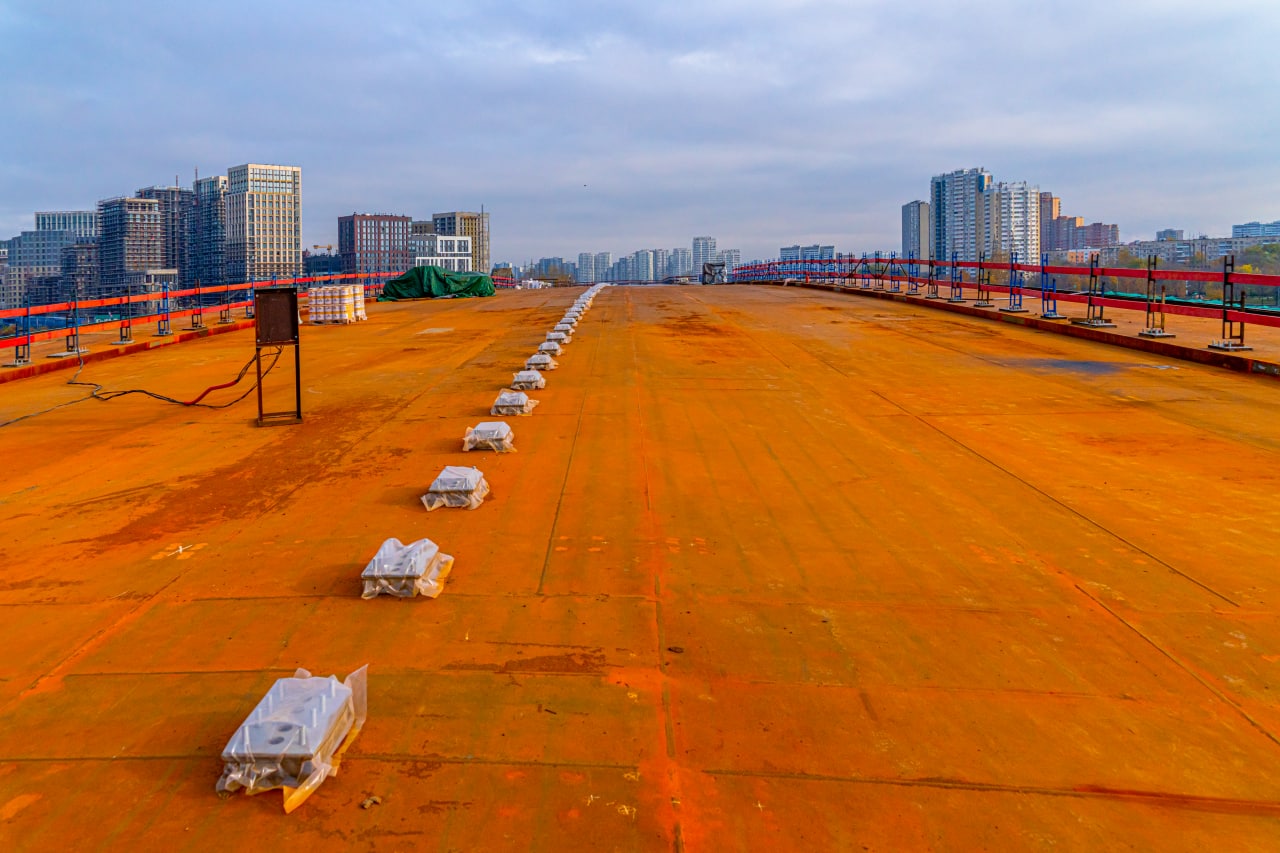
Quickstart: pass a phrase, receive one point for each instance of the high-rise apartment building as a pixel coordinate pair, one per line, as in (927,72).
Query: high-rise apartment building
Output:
(374,243)
(1008,221)
(680,262)
(704,252)
(175,205)
(461,223)
(83,224)
(208,248)
(441,250)
(264,222)
(132,241)
(1173,234)
(642,265)
(603,263)
(953,201)
(916,233)
(586,267)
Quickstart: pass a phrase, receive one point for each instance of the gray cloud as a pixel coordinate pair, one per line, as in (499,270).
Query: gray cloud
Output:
(615,126)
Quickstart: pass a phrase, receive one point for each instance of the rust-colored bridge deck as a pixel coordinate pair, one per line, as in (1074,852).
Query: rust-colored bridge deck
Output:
(772,569)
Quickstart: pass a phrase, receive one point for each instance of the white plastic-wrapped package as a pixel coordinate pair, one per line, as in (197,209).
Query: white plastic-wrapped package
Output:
(456,487)
(406,570)
(490,435)
(294,739)
(540,361)
(566,320)
(564,327)
(512,403)
(528,380)
(549,347)
(561,338)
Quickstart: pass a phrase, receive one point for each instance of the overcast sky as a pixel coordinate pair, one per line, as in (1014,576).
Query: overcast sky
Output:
(612,126)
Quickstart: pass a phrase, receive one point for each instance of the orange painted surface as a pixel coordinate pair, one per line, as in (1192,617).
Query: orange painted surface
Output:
(771,569)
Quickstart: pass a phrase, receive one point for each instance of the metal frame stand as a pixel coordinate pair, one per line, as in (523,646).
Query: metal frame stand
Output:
(984,283)
(1048,292)
(164,326)
(1154,326)
(126,321)
(1016,280)
(957,287)
(931,289)
(278,327)
(197,316)
(913,275)
(1095,312)
(22,352)
(73,347)
(1232,330)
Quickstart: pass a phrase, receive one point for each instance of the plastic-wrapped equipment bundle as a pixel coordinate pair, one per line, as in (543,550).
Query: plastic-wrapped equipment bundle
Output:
(528,380)
(567,328)
(404,571)
(490,435)
(336,304)
(540,361)
(561,338)
(295,737)
(512,403)
(456,487)
(549,347)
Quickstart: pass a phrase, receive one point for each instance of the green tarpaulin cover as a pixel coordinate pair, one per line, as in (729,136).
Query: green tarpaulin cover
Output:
(434,283)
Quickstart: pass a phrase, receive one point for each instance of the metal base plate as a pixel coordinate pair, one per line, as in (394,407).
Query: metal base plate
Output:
(1156,333)
(983,303)
(1053,315)
(1014,310)
(67,354)
(1095,324)
(957,299)
(1229,346)
(122,342)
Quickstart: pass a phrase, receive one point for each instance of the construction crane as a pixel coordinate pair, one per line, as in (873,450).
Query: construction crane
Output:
(328,247)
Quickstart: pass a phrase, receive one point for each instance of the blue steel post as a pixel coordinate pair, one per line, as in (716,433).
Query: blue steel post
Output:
(1016,280)
(931,290)
(1048,292)
(22,352)
(913,273)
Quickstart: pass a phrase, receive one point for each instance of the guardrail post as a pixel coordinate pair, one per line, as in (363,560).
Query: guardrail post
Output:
(197,317)
(1154,326)
(913,273)
(1095,317)
(1016,280)
(72,340)
(865,278)
(984,283)
(1232,330)
(1048,292)
(164,326)
(957,280)
(126,322)
(22,352)
(224,315)
(931,289)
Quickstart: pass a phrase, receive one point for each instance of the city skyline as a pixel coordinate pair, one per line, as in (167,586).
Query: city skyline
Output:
(587,125)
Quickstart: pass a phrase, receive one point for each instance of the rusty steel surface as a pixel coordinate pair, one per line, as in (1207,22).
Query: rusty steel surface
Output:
(772,569)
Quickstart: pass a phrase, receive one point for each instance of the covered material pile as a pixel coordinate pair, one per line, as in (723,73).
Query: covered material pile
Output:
(456,487)
(436,283)
(528,380)
(295,737)
(404,571)
(490,435)
(512,403)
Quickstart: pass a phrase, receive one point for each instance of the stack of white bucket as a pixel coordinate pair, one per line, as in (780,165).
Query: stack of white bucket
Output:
(341,304)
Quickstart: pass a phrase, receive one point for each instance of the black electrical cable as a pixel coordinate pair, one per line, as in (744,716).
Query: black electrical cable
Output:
(98,394)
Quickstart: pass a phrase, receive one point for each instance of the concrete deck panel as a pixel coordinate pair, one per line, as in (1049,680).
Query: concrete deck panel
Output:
(772,568)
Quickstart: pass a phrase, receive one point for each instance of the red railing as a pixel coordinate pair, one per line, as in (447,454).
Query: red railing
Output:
(891,273)
(18,341)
